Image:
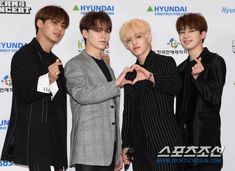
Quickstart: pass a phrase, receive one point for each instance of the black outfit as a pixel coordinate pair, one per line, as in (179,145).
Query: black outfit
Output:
(198,105)
(37,131)
(149,123)
(103,68)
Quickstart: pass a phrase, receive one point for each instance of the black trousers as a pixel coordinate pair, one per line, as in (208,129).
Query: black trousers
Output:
(43,168)
(82,167)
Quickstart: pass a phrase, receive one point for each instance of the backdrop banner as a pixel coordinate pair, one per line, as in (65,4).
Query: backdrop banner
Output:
(17,29)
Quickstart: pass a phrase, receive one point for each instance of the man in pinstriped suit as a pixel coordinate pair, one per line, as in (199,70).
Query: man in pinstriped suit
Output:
(149,122)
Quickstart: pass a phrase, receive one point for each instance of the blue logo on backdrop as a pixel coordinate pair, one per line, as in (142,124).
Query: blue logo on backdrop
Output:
(10,46)
(83,9)
(4,124)
(14,7)
(7,84)
(173,43)
(175,48)
(168,10)
(227,10)
(6,163)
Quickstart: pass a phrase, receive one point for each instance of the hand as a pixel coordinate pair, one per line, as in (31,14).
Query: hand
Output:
(106,58)
(124,156)
(121,81)
(142,74)
(54,71)
(120,164)
(197,68)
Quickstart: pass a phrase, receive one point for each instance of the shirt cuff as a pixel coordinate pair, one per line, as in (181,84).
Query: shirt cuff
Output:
(44,85)
(54,88)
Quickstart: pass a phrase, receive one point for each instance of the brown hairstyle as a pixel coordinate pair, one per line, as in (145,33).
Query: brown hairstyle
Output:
(92,19)
(193,21)
(133,26)
(52,12)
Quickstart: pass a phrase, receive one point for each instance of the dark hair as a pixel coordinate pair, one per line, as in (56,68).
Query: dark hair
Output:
(52,12)
(193,21)
(93,19)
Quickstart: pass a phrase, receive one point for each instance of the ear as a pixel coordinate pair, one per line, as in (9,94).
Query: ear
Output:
(203,35)
(39,23)
(85,33)
(149,37)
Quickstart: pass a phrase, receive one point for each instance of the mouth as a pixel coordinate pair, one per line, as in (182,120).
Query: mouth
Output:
(135,48)
(187,41)
(57,34)
(104,42)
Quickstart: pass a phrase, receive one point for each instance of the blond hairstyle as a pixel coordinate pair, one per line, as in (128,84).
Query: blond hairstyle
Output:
(133,26)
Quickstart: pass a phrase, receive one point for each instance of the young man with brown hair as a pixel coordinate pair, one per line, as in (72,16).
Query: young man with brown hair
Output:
(198,103)
(36,136)
(94,97)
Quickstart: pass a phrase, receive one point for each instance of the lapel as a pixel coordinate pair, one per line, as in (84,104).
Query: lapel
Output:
(182,70)
(94,70)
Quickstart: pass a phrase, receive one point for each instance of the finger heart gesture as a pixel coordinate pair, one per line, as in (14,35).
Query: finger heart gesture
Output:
(197,68)
(141,73)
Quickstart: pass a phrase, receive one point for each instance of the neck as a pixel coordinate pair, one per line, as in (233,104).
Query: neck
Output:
(46,45)
(141,58)
(194,53)
(94,52)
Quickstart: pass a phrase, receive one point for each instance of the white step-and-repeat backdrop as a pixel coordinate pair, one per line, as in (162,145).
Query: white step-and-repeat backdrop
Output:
(17,29)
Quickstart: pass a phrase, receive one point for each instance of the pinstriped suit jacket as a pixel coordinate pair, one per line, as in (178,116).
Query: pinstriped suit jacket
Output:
(148,115)
(95,112)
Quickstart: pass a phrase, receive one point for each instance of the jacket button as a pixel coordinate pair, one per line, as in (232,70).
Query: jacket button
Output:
(112,106)
(113,123)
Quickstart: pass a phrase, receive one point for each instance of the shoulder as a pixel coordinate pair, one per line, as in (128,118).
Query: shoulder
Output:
(165,59)
(24,54)
(76,62)
(215,58)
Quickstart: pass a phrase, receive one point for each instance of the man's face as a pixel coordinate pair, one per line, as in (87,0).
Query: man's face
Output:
(191,38)
(51,30)
(98,37)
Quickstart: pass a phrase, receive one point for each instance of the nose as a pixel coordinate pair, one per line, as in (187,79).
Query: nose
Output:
(133,41)
(60,27)
(186,34)
(103,34)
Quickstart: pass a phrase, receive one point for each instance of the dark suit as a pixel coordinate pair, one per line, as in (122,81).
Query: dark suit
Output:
(198,115)
(148,119)
(37,128)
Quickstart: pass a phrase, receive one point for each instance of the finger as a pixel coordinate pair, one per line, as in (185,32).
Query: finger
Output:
(198,60)
(135,66)
(135,81)
(128,69)
(57,72)
(128,82)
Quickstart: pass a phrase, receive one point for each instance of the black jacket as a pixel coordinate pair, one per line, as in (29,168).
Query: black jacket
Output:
(37,130)
(203,129)
(149,123)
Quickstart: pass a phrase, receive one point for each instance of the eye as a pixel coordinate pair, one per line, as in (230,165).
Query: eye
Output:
(192,30)
(108,30)
(97,29)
